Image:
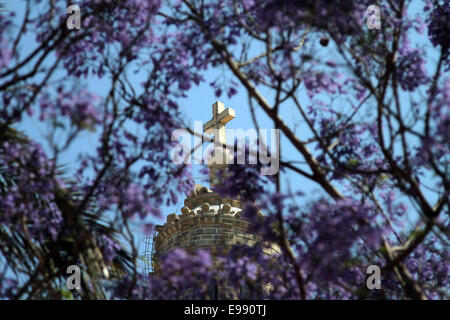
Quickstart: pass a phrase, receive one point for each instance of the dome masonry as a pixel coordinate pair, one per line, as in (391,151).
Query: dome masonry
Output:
(207,221)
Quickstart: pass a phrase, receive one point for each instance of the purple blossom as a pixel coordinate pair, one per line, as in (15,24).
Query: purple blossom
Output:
(79,107)
(109,248)
(183,275)
(243,180)
(438,28)
(411,71)
(25,169)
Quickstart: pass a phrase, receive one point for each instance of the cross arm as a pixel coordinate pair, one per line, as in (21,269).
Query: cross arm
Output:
(224,117)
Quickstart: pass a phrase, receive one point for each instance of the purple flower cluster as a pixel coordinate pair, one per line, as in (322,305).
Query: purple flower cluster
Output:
(411,71)
(350,145)
(183,275)
(429,268)
(328,238)
(438,27)
(243,180)
(109,248)
(5,51)
(126,24)
(133,288)
(321,82)
(435,148)
(250,272)
(79,106)
(343,17)
(241,273)
(118,192)
(28,191)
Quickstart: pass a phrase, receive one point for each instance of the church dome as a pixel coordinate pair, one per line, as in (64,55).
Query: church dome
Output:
(207,221)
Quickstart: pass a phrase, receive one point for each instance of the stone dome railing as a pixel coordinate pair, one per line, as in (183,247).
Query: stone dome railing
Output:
(207,221)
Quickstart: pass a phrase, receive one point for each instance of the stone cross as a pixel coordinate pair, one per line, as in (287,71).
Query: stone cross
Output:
(218,121)
(217,125)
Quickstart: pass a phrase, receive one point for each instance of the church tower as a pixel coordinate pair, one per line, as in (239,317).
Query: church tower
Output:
(208,221)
